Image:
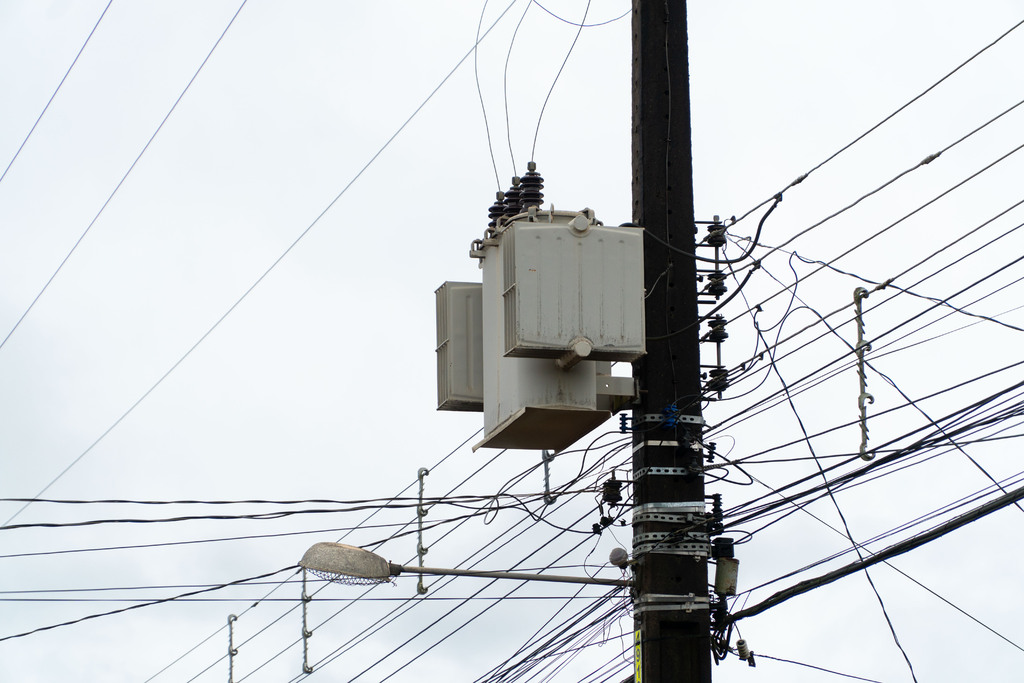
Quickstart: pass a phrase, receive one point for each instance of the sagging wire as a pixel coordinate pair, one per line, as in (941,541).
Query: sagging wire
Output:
(480,94)
(536,133)
(873,128)
(753,243)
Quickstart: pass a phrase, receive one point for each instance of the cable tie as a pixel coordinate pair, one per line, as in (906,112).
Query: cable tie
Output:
(883,285)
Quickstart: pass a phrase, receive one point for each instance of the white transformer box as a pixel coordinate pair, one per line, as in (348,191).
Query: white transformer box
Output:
(562,297)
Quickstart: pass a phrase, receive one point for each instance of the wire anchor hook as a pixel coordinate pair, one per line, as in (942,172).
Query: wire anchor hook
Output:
(546,457)
(232,650)
(864,398)
(421,512)
(306,633)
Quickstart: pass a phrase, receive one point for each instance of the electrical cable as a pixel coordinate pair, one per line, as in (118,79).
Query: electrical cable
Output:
(802,508)
(74,247)
(146,604)
(573,23)
(356,639)
(888,553)
(273,265)
(536,134)
(839,511)
(50,101)
(905,396)
(346,646)
(440,462)
(723,261)
(504,85)
(480,93)
(413,601)
(367,591)
(887,118)
(816,668)
(892,225)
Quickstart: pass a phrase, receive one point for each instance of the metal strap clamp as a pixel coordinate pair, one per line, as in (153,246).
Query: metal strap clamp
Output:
(661,602)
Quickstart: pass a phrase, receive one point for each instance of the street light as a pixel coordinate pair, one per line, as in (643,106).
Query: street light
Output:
(351,565)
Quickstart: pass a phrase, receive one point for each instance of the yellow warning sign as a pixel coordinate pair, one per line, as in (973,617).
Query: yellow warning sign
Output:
(636,656)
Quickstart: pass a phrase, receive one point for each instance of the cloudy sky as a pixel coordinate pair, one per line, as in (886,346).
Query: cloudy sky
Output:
(218,252)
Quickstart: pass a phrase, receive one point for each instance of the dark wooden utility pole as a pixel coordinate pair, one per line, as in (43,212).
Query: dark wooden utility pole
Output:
(669,538)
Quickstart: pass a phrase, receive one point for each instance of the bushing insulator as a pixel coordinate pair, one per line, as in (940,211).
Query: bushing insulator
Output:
(497,210)
(532,184)
(513,200)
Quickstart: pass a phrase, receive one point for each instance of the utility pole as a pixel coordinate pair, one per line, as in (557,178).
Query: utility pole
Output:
(672,615)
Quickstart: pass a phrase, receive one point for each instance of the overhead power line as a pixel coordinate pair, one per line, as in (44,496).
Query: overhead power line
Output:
(54,95)
(887,118)
(124,177)
(145,604)
(266,272)
(886,554)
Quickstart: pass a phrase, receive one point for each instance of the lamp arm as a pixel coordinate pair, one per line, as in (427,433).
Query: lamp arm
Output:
(397,569)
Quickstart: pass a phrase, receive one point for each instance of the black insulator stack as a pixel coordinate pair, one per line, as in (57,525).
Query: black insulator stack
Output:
(716,284)
(715,524)
(716,234)
(497,209)
(718,380)
(533,183)
(513,201)
(718,333)
(611,491)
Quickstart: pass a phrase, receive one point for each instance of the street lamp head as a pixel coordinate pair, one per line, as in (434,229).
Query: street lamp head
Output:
(346,564)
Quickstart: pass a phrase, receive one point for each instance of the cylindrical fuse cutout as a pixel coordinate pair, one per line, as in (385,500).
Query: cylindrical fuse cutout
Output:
(726,574)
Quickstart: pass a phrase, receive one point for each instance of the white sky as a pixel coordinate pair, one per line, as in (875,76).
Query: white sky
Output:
(320,384)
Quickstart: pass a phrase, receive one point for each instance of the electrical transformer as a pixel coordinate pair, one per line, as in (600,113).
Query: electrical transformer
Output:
(562,297)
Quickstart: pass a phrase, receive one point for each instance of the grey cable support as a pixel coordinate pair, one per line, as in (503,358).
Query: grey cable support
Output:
(412,603)
(232,650)
(409,603)
(306,633)
(863,398)
(421,512)
(280,584)
(942,302)
(907,290)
